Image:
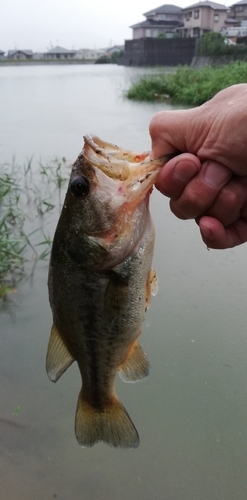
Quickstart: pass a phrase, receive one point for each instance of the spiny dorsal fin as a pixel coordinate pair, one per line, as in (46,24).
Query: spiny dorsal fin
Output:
(136,365)
(58,357)
(110,424)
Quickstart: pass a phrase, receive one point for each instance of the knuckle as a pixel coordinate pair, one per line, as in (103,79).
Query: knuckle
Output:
(193,204)
(230,196)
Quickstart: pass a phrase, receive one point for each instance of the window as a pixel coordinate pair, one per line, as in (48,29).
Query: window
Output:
(196,32)
(216,17)
(196,14)
(239,8)
(151,33)
(188,15)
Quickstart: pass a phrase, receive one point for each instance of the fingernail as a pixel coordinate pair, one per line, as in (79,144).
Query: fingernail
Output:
(184,170)
(214,174)
(205,231)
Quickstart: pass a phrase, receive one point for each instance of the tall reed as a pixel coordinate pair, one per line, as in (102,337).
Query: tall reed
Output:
(27,195)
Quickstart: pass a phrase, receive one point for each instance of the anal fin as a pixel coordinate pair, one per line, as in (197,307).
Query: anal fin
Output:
(136,365)
(58,357)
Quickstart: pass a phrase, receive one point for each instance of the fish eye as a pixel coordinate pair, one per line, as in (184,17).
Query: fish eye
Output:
(80,187)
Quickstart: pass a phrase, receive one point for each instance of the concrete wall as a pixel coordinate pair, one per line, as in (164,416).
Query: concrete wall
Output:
(158,52)
(199,61)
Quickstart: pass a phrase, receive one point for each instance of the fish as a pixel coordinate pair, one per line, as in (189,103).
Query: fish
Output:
(100,283)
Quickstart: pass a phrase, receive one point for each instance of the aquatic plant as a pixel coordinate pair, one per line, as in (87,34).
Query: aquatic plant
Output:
(188,86)
(27,194)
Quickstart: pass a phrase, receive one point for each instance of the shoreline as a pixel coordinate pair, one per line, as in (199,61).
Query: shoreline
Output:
(43,62)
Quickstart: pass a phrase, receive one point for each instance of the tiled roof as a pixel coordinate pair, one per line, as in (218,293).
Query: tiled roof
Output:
(27,52)
(207,3)
(60,50)
(150,23)
(242,2)
(164,9)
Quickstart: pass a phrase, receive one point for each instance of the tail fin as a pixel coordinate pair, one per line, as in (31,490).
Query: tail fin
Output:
(110,424)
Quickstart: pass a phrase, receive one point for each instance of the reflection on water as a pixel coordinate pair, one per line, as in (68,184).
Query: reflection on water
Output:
(191,412)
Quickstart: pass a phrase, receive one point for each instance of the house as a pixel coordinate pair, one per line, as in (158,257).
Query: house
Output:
(20,54)
(112,50)
(89,54)
(2,56)
(234,32)
(38,55)
(238,11)
(236,22)
(60,53)
(203,17)
(162,20)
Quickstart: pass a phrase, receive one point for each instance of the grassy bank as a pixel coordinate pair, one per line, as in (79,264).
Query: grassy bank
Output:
(28,194)
(189,86)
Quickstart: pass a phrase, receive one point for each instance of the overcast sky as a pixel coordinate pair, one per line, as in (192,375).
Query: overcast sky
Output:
(38,24)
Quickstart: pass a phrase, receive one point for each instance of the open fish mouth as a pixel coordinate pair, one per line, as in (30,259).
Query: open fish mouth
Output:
(136,170)
(118,163)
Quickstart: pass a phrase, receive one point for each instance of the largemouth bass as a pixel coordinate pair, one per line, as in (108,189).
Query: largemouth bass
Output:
(100,281)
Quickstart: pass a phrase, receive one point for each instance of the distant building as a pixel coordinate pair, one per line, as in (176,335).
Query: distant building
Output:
(115,48)
(161,20)
(20,54)
(239,10)
(2,56)
(60,53)
(89,54)
(203,17)
(234,32)
(38,55)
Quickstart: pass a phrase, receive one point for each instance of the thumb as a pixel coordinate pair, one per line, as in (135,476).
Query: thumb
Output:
(171,131)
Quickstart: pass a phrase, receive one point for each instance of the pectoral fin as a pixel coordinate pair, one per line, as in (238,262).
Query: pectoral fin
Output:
(136,365)
(58,357)
(116,296)
(151,287)
(154,282)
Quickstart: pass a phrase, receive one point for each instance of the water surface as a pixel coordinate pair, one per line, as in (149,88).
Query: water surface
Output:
(191,413)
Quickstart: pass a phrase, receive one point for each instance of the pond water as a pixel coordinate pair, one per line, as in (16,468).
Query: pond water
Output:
(191,412)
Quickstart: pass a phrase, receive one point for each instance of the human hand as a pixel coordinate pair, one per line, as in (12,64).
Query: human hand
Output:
(208,185)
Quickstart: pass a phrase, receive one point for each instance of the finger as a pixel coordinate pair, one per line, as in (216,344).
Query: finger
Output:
(215,235)
(176,174)
(230,202)
(202,191)
(169,131)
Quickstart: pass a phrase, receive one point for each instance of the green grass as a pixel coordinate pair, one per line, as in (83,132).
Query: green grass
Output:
(27,195)
(188,86)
